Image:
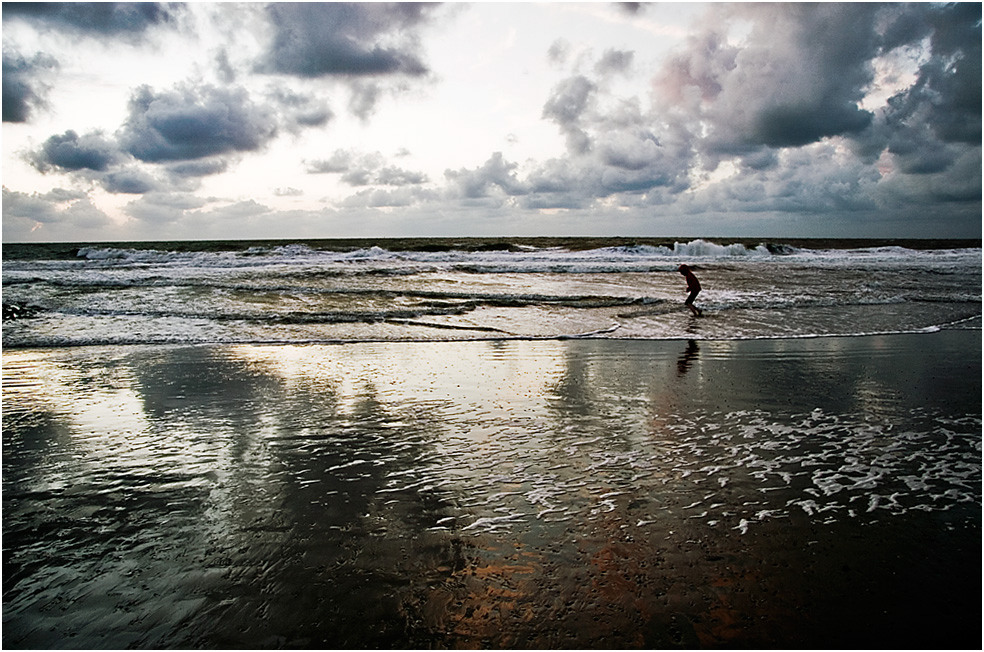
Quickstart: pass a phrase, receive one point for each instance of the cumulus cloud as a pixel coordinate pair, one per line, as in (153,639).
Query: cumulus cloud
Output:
(193,122)
(163,206)
(614,61)
(342,39)
(129,181)
(70,152)
(364,169)
(298,110)
(568,102)
(42,207)
(239,210)
(340,161)
(24,86)
(558,51)
(391,175)
(364,98)
(190,131)
(24,213)
(199,168)
(496,173)
(389,198)
(955,187)
(818,179)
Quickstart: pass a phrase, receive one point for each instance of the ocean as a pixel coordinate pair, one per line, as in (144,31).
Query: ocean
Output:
(435,290)
(521,444)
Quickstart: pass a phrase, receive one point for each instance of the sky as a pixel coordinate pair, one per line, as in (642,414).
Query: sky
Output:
(146,121)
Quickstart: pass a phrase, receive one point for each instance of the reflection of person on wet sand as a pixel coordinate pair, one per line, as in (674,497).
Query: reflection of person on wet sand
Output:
(687,357)
(693,287)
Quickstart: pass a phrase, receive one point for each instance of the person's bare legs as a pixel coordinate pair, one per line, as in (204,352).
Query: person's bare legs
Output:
(695,311)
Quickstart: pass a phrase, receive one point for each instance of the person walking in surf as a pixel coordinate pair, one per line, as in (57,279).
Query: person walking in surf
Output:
(693,287)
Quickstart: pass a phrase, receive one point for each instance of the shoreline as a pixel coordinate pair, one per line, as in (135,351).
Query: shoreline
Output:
(604,335)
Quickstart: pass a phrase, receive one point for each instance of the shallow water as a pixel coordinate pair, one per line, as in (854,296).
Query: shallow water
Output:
(297,294)
(580,493)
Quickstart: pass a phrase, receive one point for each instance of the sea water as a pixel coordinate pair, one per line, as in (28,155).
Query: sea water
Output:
(276,445)
(326,292)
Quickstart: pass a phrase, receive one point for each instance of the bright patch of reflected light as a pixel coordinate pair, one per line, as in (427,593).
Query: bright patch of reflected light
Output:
(445,375)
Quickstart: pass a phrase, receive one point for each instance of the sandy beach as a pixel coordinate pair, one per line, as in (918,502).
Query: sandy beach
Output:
(784,493)
(528,325)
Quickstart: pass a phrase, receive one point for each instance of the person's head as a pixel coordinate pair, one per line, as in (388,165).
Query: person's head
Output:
(683,269)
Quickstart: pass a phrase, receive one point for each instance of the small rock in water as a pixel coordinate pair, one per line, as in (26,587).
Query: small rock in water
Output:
(19,311)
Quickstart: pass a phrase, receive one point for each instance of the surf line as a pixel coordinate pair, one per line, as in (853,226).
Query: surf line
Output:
(453,327)
(600,331)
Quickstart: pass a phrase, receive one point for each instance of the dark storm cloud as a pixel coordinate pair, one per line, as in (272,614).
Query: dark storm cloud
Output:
(71,152)
(829,77)
(100,18)
(773,104)
(190,123)
(322,39)
(804,69)
(764,159)
(24,88)
(947,93)
(917,151)
(929,134)
(941,195)
(797,79)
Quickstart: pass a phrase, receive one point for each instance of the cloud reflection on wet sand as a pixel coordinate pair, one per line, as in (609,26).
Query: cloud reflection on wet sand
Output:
(505,494)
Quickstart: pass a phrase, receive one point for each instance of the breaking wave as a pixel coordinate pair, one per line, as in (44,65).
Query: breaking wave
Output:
(278,292)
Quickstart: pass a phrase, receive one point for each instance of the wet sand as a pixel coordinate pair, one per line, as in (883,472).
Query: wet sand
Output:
(819,493)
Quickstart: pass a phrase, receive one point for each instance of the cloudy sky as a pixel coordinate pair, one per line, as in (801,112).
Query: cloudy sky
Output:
(201,120)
